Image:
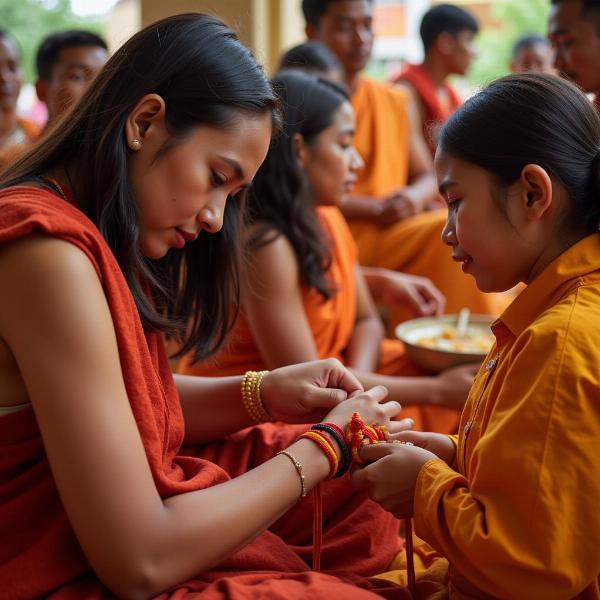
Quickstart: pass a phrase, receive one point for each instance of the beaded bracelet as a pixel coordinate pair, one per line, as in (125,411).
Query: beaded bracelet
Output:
(298,466)
(338,435)
(326,446)
(251,396)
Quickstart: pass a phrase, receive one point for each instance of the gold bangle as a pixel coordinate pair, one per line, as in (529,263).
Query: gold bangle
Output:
(298,467)
(251,396)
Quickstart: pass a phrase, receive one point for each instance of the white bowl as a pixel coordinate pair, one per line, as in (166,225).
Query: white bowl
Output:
(445,353)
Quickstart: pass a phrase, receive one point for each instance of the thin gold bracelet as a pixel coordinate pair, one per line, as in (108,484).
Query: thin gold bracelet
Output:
(251,396)
(298,467)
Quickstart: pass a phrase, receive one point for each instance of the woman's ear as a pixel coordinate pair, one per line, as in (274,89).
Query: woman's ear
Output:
(146,118)
(300,149)
(536,191)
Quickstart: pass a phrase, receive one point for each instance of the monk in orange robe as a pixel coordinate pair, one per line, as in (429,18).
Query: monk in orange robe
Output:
(396,185)
(447,34)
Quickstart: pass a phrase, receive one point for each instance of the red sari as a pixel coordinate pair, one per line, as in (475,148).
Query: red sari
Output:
(39,553)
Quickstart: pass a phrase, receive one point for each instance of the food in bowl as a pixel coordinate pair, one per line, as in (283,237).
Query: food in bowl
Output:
(432,342)
(475,340)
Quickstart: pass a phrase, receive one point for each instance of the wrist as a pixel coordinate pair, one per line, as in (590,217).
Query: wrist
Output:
(337,437)
(434,391)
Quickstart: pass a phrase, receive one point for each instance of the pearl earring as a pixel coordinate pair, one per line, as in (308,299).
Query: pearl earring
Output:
(135,144)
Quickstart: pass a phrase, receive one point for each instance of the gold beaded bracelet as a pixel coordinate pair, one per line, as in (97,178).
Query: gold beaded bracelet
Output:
(298,467)
(251,396)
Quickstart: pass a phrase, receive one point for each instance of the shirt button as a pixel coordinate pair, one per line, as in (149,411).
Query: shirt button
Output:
(467,427)
(491,364)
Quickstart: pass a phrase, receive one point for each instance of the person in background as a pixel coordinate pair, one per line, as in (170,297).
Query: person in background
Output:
(67,62)
(388,210)
(532,53)
(313,57)
(574,32)
(303,277)
(447,33)
(16,133)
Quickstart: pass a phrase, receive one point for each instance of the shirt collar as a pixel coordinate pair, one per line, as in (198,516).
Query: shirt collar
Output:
(561,275)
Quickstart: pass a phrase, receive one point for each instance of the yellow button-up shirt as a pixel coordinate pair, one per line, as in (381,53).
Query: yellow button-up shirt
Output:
(519,514)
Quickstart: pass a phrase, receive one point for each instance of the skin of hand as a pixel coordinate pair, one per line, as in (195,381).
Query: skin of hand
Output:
(419,293)
(397,206)
(390,477)
(438,443)
(305,392)
(454,385)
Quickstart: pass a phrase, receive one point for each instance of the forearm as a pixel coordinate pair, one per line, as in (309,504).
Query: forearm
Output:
(362,353)
(405,390)
(212,407)
(361,207)
(375,278)
(477,532)
(197,530)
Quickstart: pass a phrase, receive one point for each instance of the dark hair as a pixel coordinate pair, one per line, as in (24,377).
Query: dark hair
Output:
(279,202)
(527,41)
(445,18)
(205,76)
(313,10)
(312,56)
(51,47)
(590,11)
(533,118)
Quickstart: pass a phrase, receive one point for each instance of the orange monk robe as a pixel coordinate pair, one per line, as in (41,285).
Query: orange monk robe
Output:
(412,245)
(9,155)
(434,111)
(39,553)
(332,323)
(517,514)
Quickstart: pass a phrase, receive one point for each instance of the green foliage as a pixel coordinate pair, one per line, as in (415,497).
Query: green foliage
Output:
(515,18)
(30,21)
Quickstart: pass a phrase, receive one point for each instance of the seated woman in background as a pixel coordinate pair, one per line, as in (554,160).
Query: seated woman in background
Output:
(304,294)
(120,226)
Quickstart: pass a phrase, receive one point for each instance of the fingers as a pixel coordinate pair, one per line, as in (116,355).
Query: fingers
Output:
(435,299)
(325,397)
(377,393)
(401,425)
(418,438)
(373,452)
(340,377)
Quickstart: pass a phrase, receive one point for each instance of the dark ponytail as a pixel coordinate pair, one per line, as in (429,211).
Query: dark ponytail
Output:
(539,119)
(279,202)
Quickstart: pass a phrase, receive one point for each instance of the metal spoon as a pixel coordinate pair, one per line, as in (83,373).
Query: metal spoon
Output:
(462,322)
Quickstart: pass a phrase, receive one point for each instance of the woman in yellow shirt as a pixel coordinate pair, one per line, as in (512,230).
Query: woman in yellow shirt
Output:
(509,508)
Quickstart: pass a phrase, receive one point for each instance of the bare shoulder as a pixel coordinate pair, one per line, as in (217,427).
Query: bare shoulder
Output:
(47,283)
(39,256)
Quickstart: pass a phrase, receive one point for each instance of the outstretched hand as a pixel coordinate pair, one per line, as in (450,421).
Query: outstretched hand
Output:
(418,293)
(306,392)
(454,385)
